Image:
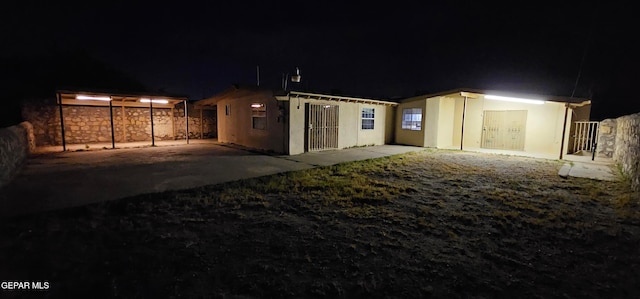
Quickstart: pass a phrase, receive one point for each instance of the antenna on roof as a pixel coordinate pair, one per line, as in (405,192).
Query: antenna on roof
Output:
(258,74)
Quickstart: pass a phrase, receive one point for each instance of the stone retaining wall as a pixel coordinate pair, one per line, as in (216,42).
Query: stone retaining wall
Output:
(16,142)
(606,138)
(620,139)
(91,124)
(627,152)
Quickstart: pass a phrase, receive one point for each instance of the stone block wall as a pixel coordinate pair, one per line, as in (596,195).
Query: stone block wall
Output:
(16,142)
(627,147)
(91,124)
(209,120)
(606,138)
(620,139)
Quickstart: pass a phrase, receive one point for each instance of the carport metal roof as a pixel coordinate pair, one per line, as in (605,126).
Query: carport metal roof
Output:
(89,98)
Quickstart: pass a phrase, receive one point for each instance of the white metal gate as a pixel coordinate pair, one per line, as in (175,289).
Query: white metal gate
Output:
(322,127)
(504,129)
(585,135)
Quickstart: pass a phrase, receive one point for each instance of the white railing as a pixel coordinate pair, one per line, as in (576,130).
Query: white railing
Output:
(585,136)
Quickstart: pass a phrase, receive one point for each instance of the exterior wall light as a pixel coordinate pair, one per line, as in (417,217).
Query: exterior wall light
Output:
(154,101)
(257,105)
(92,98)
(517,100)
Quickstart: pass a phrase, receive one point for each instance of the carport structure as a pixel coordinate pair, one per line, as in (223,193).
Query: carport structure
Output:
(87,118)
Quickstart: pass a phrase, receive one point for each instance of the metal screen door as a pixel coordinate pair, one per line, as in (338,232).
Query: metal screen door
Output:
(504,129)
(322,127)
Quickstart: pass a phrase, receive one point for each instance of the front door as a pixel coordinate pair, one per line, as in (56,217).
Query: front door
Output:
(504,129)
(322,127)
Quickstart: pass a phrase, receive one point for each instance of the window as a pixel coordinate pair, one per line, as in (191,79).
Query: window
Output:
(227,109)
(412,119)
(368,116)
(259,116)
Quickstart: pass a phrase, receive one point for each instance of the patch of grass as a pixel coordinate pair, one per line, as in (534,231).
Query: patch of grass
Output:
(459,224)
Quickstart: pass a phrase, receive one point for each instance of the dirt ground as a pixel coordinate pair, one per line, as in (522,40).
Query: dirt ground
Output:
(440,224)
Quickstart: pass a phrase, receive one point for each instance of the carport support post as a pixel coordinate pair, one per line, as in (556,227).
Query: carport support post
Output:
(201,125)
(113,136)
(173,122)
(564,129)
(59,100)
(186,120)
(124,124)
(153,139)
(464,111)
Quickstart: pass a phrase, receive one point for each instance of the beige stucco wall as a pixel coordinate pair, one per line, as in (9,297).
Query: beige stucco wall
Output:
(237,127)
(442,124)
(544,125)
(409,137)
(350,131)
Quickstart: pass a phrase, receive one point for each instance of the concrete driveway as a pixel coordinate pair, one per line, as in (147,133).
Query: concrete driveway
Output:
(67,179)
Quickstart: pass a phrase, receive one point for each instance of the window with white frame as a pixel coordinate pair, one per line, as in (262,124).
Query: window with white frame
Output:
(259,116)
(412,119)
(368,117)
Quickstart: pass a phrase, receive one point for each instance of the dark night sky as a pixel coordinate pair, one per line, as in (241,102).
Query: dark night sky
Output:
(369,50)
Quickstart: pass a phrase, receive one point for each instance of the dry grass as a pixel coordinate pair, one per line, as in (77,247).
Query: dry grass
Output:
(433,223)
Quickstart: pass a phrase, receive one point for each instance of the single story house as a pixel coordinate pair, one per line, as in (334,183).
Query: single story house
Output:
(487,121)
(490,121)
(296,122)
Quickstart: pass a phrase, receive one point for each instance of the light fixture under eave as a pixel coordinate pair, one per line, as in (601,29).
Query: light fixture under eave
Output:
(154,101)
(92,98)
(511,99)
(296,77)
(256,105)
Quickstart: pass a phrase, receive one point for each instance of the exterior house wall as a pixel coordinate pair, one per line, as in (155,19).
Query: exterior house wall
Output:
(431,119)
(410,137)
(296,126)
(458,111)
(442,124)
(350,131)
(377,136)
(544,125)
(235,123)
(446,124)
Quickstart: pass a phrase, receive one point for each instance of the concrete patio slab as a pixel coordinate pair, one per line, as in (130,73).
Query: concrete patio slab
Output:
(58,180)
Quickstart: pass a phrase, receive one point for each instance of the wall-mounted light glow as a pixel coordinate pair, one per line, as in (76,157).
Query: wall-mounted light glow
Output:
(257,105)
(517,100)
(143,100)
(92,98)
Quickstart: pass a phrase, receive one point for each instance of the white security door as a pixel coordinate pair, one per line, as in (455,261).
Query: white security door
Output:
(322,127)
(504,129)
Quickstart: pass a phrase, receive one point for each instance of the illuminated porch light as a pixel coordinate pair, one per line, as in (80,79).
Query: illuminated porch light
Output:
(92,98)
(510,99)
(154,101)
(257,105)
